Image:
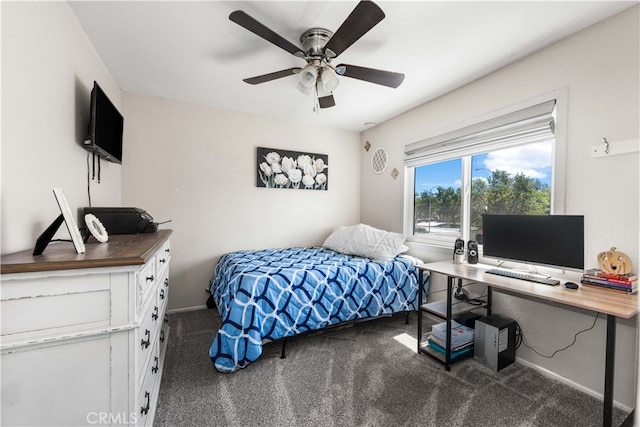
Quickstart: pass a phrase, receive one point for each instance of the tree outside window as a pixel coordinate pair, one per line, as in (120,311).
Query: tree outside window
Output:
(514,180)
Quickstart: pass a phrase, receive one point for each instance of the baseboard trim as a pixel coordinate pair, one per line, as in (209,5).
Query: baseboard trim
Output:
(181,310)
(570,383)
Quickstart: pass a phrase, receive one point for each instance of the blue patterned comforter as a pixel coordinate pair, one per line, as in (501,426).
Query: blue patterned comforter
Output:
(270,294)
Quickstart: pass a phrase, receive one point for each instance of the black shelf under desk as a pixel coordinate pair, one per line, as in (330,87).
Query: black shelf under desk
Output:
(445,309)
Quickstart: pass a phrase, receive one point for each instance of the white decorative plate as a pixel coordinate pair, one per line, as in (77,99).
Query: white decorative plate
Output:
(379,160)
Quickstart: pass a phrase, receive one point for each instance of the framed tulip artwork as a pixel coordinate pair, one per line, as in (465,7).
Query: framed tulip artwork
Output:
(291,169)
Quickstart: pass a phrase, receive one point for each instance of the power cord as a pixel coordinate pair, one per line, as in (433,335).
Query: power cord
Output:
(461,294)
(520,339)
(518,336)
(475,301)
(479,300)
(89,177)
(91,172)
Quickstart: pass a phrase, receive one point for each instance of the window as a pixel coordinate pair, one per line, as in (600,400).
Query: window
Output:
(438,198)
(504,165)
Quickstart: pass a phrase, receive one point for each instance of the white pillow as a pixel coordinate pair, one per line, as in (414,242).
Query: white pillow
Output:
(365,241)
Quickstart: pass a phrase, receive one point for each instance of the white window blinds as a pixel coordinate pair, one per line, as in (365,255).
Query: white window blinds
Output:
(532,124)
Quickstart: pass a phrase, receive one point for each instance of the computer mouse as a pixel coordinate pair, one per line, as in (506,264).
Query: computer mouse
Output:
(570,285)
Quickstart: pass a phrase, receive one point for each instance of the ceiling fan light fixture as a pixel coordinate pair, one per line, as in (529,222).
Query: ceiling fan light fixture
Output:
(308,76)
(320,90)
(329,80)
(307,90)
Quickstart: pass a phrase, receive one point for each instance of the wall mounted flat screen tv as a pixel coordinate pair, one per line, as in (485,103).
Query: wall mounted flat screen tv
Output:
(105,127)
(551,240)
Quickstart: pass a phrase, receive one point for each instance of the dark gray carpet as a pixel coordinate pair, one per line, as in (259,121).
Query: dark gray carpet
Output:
(356,376)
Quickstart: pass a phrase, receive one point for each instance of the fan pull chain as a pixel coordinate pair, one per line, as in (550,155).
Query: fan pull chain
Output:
(316,103)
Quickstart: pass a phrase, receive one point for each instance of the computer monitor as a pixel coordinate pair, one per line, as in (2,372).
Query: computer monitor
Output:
(547,240)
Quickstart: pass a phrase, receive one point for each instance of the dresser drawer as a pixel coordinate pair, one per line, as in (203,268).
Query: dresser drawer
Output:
(146,279)
(44,306)
(163,339)
(163,291)
(148,395)
(147,334)
(163,256)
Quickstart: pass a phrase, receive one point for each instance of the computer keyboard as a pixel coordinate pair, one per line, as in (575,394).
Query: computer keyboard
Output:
(524,276)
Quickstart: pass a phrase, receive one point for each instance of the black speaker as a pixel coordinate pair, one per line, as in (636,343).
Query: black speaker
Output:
(472,252)
(458,251)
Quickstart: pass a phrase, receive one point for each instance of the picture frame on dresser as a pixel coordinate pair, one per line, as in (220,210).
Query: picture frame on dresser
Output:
(76,237)
(65,216)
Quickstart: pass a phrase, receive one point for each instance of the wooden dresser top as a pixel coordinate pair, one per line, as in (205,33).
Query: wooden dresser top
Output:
(120,250)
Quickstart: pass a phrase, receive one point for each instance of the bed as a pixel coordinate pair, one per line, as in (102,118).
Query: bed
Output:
(266,295)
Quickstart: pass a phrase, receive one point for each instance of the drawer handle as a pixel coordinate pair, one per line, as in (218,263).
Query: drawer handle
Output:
(155,368)
(161,293)
(166,318)
(154,316)
(150,278)
(163,260)
(166,282)
(145,409)
(167,250)
(162,335)
(144,344)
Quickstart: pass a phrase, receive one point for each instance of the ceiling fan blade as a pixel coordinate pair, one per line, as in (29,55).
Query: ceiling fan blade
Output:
(272,76)
(246,21)
(364,17)
(326,101)
(372,75)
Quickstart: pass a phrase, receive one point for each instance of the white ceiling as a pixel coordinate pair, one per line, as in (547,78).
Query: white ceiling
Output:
(192,52)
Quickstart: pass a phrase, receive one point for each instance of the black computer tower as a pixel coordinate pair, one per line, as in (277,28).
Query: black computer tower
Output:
(495,341)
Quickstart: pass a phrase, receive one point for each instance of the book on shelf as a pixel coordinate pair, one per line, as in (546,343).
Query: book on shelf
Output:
(443,344)
(604,281)
(595,273)
(460,334)
(612,288)
(454,354)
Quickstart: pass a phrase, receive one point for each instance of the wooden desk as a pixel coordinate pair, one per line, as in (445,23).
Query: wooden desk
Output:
(610,303)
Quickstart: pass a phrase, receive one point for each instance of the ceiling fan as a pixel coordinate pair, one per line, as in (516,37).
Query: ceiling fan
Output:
(319,47)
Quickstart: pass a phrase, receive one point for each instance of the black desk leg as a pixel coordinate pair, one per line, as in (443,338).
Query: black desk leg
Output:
(420,278)
(447,351)
(608,371)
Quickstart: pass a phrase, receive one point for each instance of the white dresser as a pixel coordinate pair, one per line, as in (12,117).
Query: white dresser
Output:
(83,336)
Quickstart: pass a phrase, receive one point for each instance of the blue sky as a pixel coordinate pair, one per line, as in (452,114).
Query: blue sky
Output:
(534,160)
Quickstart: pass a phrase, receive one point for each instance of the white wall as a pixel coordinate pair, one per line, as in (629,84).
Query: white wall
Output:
(196,166)
(48,69)
(599,67)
